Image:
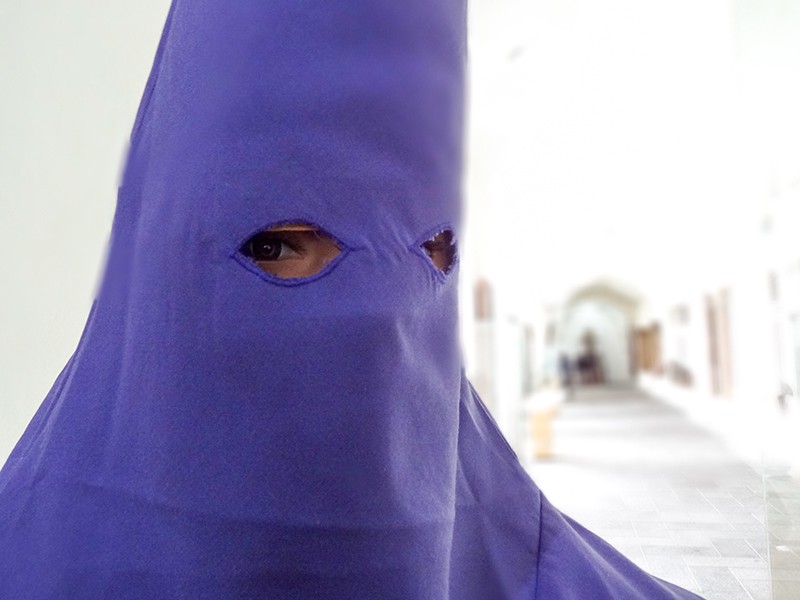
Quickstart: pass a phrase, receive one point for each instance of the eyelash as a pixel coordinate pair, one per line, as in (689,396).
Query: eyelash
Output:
(273,237)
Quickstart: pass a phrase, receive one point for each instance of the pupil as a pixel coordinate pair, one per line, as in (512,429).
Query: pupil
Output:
(266,248)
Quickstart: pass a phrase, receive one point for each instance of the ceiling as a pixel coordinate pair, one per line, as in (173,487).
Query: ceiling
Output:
(615,140)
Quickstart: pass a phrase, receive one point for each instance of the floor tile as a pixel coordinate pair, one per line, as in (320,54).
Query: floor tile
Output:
(672,497)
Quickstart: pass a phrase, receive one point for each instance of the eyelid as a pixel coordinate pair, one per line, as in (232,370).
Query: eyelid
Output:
(293,227)
(436,244)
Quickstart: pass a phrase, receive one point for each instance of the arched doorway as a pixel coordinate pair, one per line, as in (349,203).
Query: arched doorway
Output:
(596,332)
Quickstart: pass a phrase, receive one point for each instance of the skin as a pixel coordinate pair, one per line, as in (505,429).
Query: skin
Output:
(300,250)
(441,250)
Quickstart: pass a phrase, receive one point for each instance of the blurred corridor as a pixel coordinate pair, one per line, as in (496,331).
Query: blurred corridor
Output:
(634,222)
(635,422)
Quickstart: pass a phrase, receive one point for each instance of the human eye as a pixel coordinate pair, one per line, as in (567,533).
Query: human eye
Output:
(291,251)
(441,249)
(268,247)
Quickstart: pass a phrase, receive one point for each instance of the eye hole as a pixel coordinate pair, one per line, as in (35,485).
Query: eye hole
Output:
(291,251)
(441,249)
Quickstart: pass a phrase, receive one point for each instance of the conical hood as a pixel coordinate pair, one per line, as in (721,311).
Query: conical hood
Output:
(225,431)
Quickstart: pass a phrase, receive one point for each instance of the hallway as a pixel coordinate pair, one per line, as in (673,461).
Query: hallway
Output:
(666,494)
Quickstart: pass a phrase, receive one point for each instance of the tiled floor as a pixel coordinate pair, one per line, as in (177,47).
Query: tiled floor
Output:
(672,498)
(783,521)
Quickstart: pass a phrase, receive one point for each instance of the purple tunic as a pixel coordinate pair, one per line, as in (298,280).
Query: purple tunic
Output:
(221,433)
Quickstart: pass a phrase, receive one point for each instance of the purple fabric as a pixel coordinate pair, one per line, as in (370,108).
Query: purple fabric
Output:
(222,434)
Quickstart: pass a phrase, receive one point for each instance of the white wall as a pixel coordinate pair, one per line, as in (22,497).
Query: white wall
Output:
(72,74)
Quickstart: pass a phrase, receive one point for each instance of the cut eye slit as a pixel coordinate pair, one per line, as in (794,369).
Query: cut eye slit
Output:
(441,249)
(291,251)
